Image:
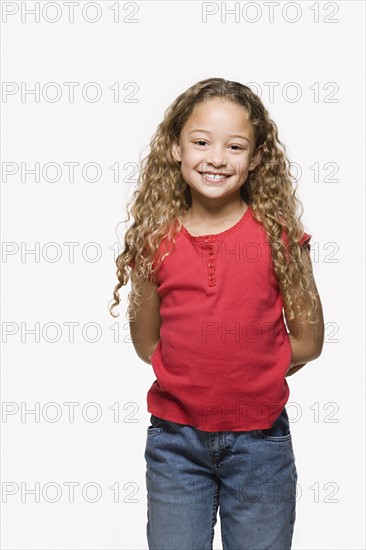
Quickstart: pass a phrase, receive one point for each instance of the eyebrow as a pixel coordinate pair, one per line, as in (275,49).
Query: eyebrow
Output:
(207,132)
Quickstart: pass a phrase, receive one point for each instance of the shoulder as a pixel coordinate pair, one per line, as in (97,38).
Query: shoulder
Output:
(304,240)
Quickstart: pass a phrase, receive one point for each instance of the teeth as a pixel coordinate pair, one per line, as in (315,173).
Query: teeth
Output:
(215,176)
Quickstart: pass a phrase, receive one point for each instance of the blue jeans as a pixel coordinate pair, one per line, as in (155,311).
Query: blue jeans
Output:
(249,475)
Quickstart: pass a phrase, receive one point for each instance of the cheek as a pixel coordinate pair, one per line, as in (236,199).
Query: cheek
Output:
(244,164)
(240,166)
(192,158)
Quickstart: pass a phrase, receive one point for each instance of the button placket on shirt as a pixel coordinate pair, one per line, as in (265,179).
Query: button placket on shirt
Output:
(211,264)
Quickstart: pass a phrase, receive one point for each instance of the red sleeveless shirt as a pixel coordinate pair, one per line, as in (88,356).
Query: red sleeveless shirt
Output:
(224,350)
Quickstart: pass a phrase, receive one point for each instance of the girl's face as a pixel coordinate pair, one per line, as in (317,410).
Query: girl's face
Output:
(217,139)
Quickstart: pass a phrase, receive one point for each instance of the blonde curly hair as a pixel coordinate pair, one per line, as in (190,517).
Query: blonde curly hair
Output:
(161,198)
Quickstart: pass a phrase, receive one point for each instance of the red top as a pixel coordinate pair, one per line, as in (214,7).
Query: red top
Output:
(224,350)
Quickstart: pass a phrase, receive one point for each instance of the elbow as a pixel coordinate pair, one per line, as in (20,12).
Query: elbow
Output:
(313,355)
(144,357)
(315,349)
(318,351)
(143,354)
(306,350)
(141,351)
(318,346)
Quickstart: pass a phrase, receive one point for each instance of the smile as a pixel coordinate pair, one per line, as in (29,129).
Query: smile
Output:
(214,177)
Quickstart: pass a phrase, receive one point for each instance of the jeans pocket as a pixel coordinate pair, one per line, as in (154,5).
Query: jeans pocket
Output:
(279,431)
(158,425)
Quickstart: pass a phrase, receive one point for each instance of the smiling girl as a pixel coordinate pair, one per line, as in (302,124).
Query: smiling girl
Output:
(224,307)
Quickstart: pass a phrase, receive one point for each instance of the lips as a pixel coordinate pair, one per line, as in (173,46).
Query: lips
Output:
(215,176)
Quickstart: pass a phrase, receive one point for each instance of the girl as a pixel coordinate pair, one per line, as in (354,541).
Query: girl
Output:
(219,263)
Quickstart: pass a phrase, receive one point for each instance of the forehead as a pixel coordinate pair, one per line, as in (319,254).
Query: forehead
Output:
(220,117)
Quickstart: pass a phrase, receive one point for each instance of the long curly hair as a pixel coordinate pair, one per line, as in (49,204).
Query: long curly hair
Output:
(161,197)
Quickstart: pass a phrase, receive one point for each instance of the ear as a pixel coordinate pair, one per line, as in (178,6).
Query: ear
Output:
(176,151)
(256,158)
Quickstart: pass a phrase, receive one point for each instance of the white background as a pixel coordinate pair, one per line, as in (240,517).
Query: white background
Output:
(164,52)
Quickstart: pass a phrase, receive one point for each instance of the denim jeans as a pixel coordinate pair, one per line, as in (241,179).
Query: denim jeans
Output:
(250,476)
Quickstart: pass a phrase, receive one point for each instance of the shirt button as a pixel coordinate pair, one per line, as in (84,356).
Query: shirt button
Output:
(211,277)
(207,240)
(210,264)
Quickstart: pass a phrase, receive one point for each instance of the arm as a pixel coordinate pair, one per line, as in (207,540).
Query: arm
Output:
(306,339)
(146,326)
(292,368)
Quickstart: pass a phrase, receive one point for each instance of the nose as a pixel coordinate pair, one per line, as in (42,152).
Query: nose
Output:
(217,157)
(219,163)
